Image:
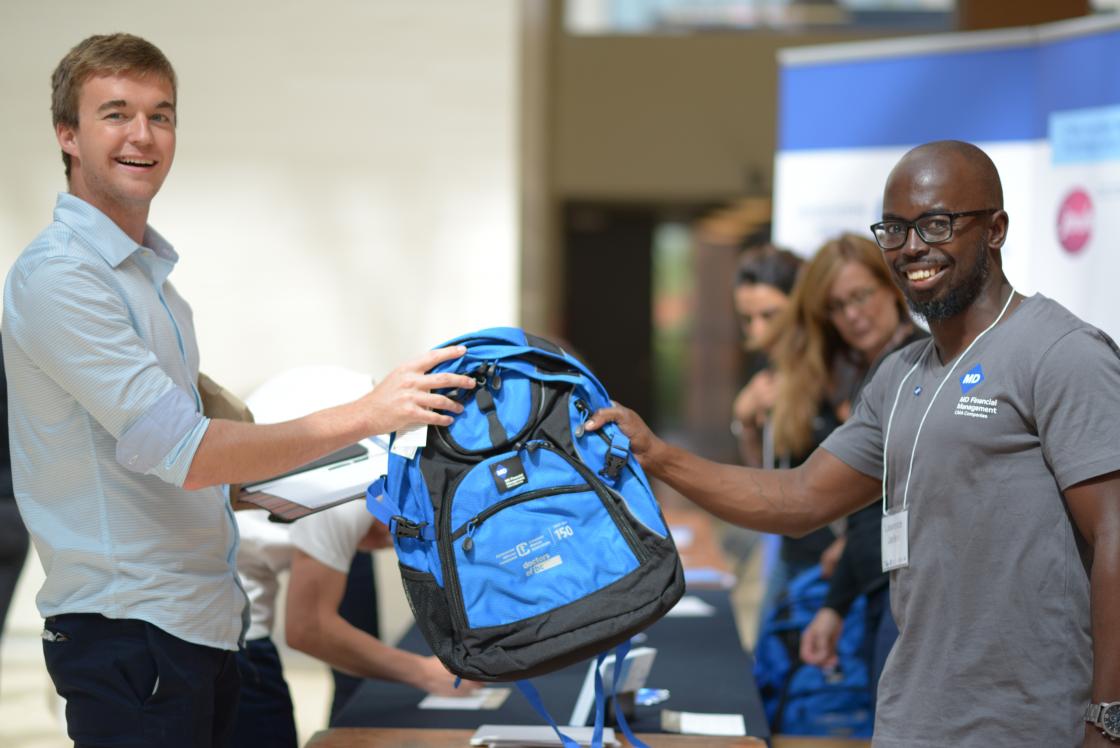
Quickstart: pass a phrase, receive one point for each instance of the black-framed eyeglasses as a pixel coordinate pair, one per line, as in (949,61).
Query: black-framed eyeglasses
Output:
(934,228)
(856,300)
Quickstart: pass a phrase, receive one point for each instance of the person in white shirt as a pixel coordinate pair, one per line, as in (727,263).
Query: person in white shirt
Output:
(318,551)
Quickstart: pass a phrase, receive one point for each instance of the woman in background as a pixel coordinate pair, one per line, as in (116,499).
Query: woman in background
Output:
(867,319)
(844,315)
(763,283)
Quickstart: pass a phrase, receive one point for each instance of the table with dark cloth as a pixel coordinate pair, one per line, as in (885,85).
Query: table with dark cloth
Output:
(699,660)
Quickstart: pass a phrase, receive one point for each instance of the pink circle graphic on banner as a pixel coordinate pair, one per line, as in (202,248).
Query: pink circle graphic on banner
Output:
(1075,221)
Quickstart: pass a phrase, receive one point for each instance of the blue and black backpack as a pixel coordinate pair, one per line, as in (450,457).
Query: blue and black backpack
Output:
(803,699)
(525,543)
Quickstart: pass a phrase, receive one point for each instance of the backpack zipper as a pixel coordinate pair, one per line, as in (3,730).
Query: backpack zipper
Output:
(472,524)
(446,552)
(609,497)
(483,375)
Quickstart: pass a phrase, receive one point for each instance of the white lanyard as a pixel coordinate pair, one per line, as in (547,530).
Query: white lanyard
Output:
(890,418)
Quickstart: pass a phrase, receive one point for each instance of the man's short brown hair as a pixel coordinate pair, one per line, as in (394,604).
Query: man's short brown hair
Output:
(105,54)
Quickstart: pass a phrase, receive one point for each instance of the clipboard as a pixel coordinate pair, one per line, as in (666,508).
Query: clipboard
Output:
(334,479)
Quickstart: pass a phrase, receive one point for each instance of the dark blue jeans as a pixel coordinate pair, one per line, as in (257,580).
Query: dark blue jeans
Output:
(265,716)
(128,683)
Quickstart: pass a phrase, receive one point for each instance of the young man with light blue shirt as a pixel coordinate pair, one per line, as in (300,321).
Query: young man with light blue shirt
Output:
(117,473)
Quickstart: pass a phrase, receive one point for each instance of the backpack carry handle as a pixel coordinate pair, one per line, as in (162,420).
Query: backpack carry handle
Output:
(484,348)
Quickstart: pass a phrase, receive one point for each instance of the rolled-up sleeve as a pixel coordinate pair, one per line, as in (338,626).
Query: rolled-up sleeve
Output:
(78,331)
(163,441)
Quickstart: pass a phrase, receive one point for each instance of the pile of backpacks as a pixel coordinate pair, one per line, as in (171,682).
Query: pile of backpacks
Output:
(803,699)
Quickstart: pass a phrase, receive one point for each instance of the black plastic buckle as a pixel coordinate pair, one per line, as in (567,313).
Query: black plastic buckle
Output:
(406,528)
(613,466)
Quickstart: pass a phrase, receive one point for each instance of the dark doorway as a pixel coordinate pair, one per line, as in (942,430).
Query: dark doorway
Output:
(607,305)
(647,303)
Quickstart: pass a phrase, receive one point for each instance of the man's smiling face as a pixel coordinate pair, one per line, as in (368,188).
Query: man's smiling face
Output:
(939,280)
(124,144)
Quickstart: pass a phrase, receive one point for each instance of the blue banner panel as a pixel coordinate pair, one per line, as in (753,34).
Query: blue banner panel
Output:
(1080,73)
(987,95)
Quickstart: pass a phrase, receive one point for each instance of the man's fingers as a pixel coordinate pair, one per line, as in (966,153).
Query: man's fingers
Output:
(432,418)
(438,356)
(604,416)
(468,686)
(446,380)
(419,416)
(808,647)
(439,402)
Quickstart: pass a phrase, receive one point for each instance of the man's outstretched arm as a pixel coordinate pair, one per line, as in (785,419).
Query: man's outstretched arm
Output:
(790,502)
(232,452)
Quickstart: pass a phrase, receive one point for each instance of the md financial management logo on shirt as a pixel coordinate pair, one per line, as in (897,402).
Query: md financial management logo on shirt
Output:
(970,405)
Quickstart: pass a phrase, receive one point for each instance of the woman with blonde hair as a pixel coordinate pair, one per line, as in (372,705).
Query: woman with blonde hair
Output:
(845,314)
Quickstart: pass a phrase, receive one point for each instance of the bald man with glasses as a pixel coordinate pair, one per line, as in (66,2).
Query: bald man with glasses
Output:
(994,450)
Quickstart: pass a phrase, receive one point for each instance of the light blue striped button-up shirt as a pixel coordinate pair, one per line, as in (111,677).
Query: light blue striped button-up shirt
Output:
(105,418)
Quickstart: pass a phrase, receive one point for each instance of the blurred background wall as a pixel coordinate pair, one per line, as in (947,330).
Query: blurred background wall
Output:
(345,188)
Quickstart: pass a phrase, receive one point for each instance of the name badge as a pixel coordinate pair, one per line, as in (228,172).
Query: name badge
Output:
(896,540)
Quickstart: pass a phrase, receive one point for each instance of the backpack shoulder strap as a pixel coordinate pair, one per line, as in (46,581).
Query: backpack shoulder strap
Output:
(529,691)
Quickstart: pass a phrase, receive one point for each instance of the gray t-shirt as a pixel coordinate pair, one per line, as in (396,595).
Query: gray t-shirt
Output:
(993,609)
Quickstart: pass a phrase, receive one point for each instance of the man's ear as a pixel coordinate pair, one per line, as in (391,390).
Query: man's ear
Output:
(997,230)
(67,137)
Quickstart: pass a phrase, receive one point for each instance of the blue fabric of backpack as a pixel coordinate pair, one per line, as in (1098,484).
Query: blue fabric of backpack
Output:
(803,699)
(525,543)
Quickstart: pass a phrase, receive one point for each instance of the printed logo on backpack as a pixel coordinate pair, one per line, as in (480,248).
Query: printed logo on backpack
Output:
(526,543)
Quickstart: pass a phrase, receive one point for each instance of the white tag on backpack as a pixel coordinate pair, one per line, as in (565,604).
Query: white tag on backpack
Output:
(409,440)
(896,540)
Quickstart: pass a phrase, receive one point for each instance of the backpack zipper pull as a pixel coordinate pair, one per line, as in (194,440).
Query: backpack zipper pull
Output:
(493,376)
(585,412)
(479,377)
(484,399)
(468,542)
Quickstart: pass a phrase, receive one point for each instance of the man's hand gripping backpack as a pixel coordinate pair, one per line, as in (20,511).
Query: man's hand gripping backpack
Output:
(525,543)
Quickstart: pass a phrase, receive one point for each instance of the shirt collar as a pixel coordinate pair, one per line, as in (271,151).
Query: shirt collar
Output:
(106,237)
